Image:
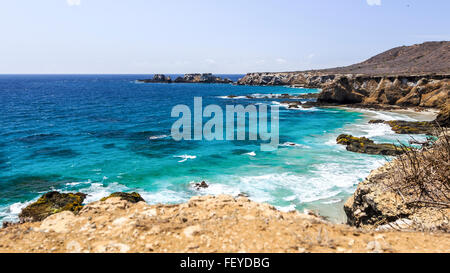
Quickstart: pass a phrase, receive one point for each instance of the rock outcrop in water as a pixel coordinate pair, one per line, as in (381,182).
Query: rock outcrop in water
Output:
(366,146)
(187,78)
(158,78)
(51,203)
(201,78)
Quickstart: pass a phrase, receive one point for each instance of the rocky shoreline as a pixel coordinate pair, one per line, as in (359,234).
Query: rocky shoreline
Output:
(204,224)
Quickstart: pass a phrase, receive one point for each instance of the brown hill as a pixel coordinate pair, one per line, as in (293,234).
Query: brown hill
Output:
(426,58)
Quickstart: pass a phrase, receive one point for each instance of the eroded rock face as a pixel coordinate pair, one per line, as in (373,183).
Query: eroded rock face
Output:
(342,91)
(367,146)
(51,203)
(407,91)
(444,115)
(133,197)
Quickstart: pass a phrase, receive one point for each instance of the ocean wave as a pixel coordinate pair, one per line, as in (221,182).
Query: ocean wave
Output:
(232,97)
(97,191)
(10,213)
(332,201)
(250,154)
(299,108)
(289,208)
(292,144)
(185,157)
(157,137)
(217,189)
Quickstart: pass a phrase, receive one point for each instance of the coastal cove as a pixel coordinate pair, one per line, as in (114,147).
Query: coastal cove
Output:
(100,134)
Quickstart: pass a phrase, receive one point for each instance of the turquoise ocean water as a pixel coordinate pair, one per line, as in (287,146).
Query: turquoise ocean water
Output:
(100,134)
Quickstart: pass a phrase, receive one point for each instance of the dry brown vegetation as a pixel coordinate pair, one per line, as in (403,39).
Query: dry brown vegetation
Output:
(422,177)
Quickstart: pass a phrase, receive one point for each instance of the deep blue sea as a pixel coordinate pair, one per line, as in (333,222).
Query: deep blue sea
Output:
(100,134)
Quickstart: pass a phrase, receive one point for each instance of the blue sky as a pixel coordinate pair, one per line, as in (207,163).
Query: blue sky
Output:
(169,36)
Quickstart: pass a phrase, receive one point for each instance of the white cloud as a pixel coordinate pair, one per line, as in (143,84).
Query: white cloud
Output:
(73,2)
(210,61)
(281,61)
(374,2)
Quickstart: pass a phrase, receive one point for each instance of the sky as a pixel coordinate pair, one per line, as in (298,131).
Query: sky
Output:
(233,36)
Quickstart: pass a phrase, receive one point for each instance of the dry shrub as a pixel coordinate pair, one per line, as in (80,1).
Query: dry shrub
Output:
(422,175)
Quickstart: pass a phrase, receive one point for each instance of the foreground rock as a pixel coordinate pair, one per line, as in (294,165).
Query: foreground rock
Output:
(366,146)
(204,224)
(51,203)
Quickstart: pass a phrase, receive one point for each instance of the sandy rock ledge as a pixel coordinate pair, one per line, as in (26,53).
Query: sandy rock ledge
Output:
(204,224)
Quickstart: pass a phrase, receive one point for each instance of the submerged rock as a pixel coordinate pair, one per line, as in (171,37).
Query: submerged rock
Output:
(201,185)
(51,203)
(366,146)
(412,127)
(409,127)
(133,197)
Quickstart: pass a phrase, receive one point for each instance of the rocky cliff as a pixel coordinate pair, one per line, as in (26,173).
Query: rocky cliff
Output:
(412,76)
(409,91)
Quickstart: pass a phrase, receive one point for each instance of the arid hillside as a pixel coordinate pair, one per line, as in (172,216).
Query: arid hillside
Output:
(426,58)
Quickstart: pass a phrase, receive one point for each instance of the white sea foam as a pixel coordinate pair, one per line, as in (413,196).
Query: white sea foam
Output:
(292,144)
(219,188)
(332,201)
(185,157)
(232,97)
(251,154)
(287,208)
(11,213)
(164,196)
(299,108)
(97,191)
(157,137)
